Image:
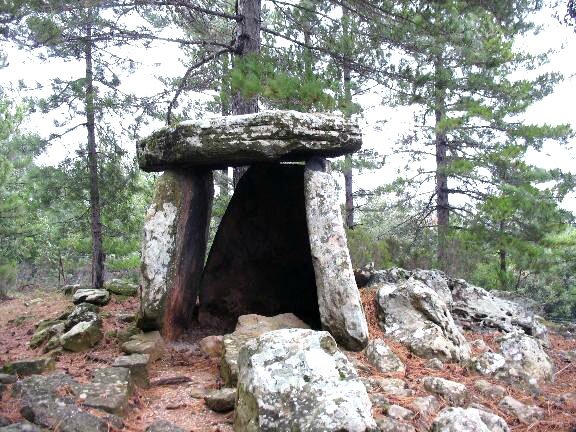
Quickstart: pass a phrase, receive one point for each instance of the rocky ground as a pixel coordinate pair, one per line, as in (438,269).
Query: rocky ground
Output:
(184,374)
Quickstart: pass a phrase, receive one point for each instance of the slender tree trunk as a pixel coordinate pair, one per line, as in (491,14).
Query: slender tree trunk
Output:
(95,221)
(441,143)
(247,42)
(348,179)
(223,180)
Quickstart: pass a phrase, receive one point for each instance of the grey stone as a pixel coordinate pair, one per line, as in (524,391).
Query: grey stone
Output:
(8,378)
(110,390)
(82,336)
(489,390)
(138,365)
(221,400)
(387,424)
(435,363)
(249,327)
(267,136)
(82,312)
(416,316)
(394,386)
(425,405)
(21,427)
(479,345)
(488,363)
(454,393)
(399,412)
(121,287)
(98,297)
(314,386)
(163,426)
(525,358)
(46,333)
(341,311)
(212,346)
(382,357)
(29,366)
(527,414)
(150,343)
(70,289)
(469,420)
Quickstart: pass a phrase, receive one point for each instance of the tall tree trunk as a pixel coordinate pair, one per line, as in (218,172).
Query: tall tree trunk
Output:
(247,42)
(347,81)
(95,221)
(223,179)
(441,143)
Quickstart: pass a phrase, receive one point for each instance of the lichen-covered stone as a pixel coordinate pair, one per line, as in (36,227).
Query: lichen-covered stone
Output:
(489,390)
(21,427)
(110,389)
(30,366)
(416,316)
(394,386)
(45,333)
(121,287)
(174,246)
(454,393)
(488,363)
(138,366)
(525,354)
(296,379)
(387,424)
(150,343)
(98,297)
(382,357)
(82,336)
(527,414)
(82,312)
(267,136)
(341,311)
(469,420)
(221,400)
(425,405)
(249,327)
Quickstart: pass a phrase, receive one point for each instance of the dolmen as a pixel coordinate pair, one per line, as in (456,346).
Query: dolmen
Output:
(280,246)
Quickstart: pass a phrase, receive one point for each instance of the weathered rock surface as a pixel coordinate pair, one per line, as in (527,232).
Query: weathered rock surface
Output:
(110,389)
(394,386)
(83,312)
(341,311)
(488,363)
(260,260)
(387,424)
(249,327)
(98,297)
(382,357)
(163,426)
(435,363)
(454,393)
(526,358)
(45,333)
(138,366)
(30,366)
(82,336)
(296,379)
(150,343)
(174,248)
(415,315)
(399,412)
(212,346)
(221,400)
(425,405)
(21,427)
(469,420)
(8,378)
(121,287)
(267,136)
(489,390)
(525,413)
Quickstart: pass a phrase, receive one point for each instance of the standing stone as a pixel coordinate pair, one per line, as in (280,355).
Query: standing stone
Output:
(260,261)
(173,250)
(341,311)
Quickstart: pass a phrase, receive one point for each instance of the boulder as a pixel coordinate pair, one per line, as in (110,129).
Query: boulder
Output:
(297,379)
(98,297)
(416,316)
(150,343)
(382,357)
(82,336)
(341,310)
(121,287)
(29,366)
(221,400)
(469,420)
(249,327)
(454,393)
(267,136)
(138,366)
(109,391)
(173,248)
(527,414)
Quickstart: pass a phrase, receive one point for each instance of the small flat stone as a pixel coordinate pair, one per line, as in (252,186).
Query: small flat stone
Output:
(435,364)
(527,414)
(31,366)
(198,392)
(150,343)
(454,393)
(399,412)
(98,297)
(138,365)
(395,387)
(221,400)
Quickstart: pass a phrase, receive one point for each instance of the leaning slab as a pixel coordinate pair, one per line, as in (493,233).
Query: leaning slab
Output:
(173,249)
(341,311)
(267,136)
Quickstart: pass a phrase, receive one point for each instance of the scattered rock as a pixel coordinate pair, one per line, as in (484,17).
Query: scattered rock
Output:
(150,343)
(164,426)
(121,287)
(527,414)
(213,346)
(82,336)
(488,363)
(109,391)
(98,297)
(8,378)
(387,424)
(82,312)
(489,390)
(525,358)
(72,288)
(416,315)
(21,427)
(469,420)
(435,363)
(221,400)
(425,405)
(339,302)
(46,333)
(249,327)
(138,366)
(454,393)
(382,357)
(30,366)
(311,379)
(394,386)
(399,412)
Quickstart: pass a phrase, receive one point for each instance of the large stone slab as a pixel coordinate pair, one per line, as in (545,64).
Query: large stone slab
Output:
(173,250)
(267,136)
(341,311)
(260,261)
(298,380)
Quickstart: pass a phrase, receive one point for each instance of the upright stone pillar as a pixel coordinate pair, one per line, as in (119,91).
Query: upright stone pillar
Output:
(341,311)
(174,248)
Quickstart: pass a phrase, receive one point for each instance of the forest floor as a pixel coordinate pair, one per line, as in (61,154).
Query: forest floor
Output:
(183,405)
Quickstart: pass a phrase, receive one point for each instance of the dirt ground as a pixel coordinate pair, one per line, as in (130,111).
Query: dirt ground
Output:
(181,403)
